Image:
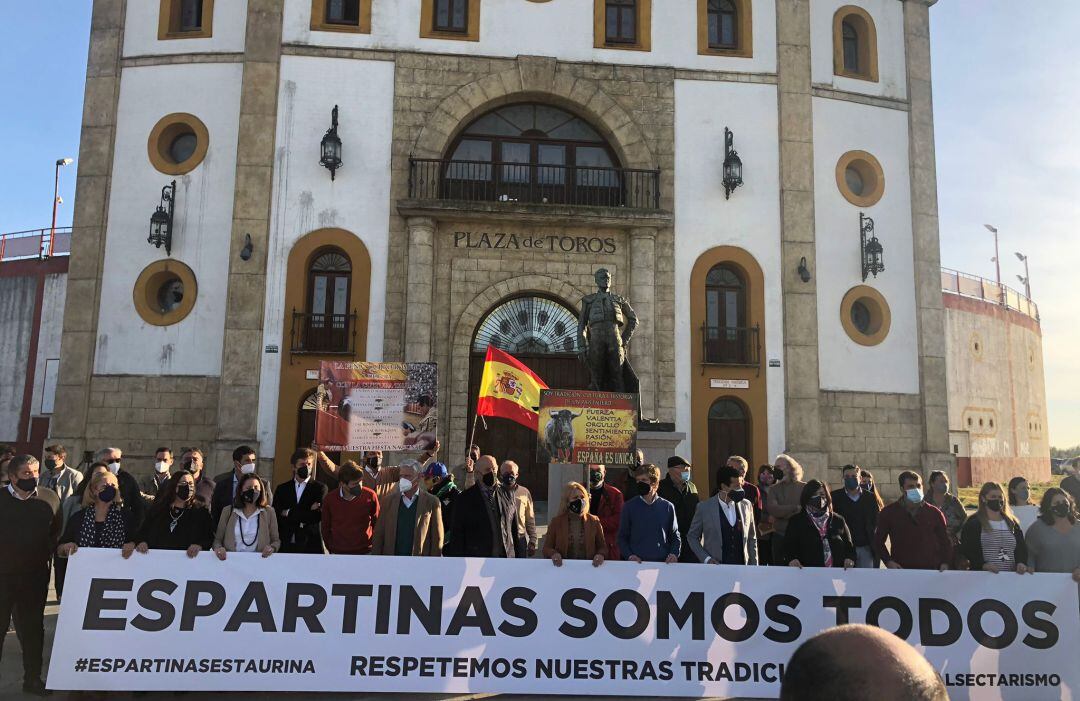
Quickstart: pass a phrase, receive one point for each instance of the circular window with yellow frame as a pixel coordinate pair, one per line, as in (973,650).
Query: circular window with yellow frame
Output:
(165,292)
(178,143)
(865,315)
(860,178)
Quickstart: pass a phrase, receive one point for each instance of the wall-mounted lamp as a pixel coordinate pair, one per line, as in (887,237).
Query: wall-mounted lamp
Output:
(331,146)
(161,221)
(804,272)
(245,252)
(870,248)
(732,164)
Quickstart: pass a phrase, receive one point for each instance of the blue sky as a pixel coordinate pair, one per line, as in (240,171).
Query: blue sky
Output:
(1008,154)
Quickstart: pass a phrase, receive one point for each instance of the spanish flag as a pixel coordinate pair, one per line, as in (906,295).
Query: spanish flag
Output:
(509,389)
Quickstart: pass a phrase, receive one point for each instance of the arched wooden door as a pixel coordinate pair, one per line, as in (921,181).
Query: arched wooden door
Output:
(542,333)
(729,432)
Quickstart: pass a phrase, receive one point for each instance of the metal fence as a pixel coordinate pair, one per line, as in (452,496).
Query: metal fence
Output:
(35,243)
(728,345)
(957,283)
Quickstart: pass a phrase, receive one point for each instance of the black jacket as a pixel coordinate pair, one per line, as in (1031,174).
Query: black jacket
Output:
(685,503)
(863,512)
(30,530)
(302,522)
(133,498)
(471,533)
(223,495)
(971,543)
(803,543)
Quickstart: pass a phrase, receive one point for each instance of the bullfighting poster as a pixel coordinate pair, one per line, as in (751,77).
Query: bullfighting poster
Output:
(376,406)
(579,426)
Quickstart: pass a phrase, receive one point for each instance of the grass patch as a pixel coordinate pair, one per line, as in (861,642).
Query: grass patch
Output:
(969,496)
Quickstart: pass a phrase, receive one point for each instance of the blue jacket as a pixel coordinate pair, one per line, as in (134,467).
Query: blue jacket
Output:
(649,531)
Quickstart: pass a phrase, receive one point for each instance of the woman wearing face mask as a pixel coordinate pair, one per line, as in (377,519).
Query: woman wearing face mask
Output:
(783,503)
(575,534)
(766,478)
(866,482)
(991,539)
(1019,493)
(175,522)
(955,514)
(103,522)
(74,503)
(249,525)
(816,536)
(1053,541)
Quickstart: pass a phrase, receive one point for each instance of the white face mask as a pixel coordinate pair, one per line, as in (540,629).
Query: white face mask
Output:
(404,485)
(161,466)
(114,467)
(247,468)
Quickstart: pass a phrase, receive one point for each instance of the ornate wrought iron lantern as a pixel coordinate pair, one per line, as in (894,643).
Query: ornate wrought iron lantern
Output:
(732,164)
(331,146)
(870,247)
(161,221)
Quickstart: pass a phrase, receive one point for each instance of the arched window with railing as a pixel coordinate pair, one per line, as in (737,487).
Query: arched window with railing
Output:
(727,340)
(327,324)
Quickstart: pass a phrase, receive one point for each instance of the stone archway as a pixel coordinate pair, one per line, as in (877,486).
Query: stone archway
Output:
(544,80)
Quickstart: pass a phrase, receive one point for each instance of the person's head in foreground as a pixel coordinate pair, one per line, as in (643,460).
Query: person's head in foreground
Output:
(856,663)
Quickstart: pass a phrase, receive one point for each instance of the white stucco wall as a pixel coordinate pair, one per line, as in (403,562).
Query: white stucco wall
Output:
(141,30)
(305,199)
(16,326)
(203,221)
(52,324)
(749,220)
(564,29)
(888,16)
(891,366)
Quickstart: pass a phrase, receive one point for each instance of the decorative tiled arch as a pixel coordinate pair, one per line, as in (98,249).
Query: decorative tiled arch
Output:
(469,320)
(536,79)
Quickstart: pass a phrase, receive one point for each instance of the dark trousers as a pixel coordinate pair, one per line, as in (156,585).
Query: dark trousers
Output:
(778,556)
(23,595)
(59,572)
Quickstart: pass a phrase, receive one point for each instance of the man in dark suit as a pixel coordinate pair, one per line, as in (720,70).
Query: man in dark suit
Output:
(244,462)
(476,515)
(683,494)
(298,504)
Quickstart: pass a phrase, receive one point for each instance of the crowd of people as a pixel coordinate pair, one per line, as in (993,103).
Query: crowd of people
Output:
(418,508)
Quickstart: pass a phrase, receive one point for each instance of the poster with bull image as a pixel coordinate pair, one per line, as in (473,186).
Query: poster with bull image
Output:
(376,406)
(583,427)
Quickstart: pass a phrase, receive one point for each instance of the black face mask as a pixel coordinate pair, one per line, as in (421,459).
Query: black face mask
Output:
(302,472)
(488,479)
(818,504)
(27,484)
(107,494)
(250,496)
(994,505)
(737,495)
(508,479)
(643,488)
(577,506)
(1060,509)
(373,463)
(868,487)
(357,490)
(183,491)
(596,478)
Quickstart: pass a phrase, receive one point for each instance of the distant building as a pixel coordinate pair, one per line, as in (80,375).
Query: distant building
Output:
(997,395)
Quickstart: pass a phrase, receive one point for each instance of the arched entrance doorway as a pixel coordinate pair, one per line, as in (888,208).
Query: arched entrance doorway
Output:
(541,332)
(729,431)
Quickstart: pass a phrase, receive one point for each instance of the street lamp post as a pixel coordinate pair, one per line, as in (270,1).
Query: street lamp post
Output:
(1027,275)
(60,163)
(997,263)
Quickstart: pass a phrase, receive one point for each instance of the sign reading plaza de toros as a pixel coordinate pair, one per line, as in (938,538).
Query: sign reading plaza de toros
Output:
(554,243)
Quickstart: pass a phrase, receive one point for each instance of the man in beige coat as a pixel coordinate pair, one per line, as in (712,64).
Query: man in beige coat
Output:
(410,519)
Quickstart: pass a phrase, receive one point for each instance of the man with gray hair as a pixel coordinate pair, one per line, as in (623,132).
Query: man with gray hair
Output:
(30,523)
(517,515)
(410,519)
(129,486)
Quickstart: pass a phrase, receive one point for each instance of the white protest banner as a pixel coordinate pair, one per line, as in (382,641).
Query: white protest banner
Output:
(388,624)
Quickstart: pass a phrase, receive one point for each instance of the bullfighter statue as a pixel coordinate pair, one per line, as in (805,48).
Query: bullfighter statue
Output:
(605,326)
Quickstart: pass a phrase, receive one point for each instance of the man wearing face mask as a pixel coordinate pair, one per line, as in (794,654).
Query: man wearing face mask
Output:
(151,484)
(349,513)
(476,516)
(606,503)
(192,460)
(410,522)
(298,504)
(914,529)
(683,494)
(30,522)
(860,511)
(726,524)
(129,486)
(439,482)
(517,516)
(648,531)
(244,462)
(65,481)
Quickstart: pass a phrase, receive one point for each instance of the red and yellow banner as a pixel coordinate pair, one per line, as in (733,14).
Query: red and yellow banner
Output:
(509,390)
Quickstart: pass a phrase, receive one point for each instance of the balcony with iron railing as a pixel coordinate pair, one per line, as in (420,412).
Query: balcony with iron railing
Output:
(975,287)
(35,243)
(730,346)
(432,179)
(322,334)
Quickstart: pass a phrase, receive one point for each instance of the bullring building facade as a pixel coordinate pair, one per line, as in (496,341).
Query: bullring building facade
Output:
(417,179)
